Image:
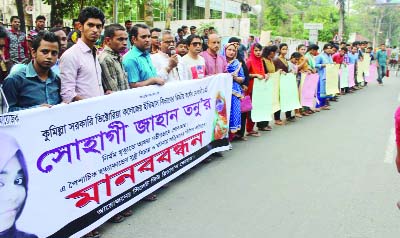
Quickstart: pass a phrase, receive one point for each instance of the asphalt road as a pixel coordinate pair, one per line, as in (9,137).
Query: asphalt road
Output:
(328,175)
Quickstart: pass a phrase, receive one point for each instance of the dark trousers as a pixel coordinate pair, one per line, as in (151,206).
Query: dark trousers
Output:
(277,115)
(243,125)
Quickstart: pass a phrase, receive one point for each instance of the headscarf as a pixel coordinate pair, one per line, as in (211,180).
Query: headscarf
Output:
(8,148)
(255,64)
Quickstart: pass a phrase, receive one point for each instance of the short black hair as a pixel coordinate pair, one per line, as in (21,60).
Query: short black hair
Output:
(267,50)
(155,29)
(252,37)
(342,42)
(211,28)
(3,32)
(313,47)
(184,27)
(258,46)
(193,27)
(179,30)
(74,21)
(326,46)
(135,30)
(300,46)
(55,29)
(128,21)
(58,21)
(182,42)
(282,45)
(335,46)
(344,49)
(234,40)
(295,55)
(46,36)
(190,38)
(40,17)
(370,47)
(91,12)
(14,17)
(109,31)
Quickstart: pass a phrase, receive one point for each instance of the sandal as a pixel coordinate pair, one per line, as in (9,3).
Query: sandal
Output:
(127,212)
(279,123)
(254,133)
(267,128)
(151,197)
(117,218)
(240,138)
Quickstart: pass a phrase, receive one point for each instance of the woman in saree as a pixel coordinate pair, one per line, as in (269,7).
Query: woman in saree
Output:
(256,70)
(281,63)
(235,68)
(321,61)
(13,187)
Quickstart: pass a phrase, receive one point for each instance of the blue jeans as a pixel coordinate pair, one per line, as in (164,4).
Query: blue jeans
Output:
(381,72)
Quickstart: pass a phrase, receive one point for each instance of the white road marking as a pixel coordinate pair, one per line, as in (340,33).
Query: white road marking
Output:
(391,148)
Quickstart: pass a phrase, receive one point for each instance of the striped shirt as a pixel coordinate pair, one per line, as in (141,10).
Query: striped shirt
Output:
(113,76)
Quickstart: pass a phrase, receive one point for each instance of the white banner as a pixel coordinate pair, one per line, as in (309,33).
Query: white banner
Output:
(91,159)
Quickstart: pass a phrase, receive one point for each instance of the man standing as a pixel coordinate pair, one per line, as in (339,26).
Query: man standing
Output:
(128,27)
(80,68)
(382,59)
(167,62)
(16,46)
(155,40)
(205,39)
(194,62)
(74,35)
(114,77)
(138,65)
(137,61)
(35,84)
(215,63)
(58,31)
(185,32)
(193,30)
(40,23)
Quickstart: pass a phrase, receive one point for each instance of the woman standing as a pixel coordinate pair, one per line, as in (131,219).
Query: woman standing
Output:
(281,63)
(256,70)
(235,68)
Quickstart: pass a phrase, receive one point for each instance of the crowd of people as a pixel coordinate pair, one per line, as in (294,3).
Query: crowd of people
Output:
(46,68)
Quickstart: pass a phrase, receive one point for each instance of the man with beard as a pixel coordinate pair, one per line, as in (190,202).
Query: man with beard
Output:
(58,31)
(215,63)
(137,61)
(167,62)
(113,75)
(80,69)
(35,84)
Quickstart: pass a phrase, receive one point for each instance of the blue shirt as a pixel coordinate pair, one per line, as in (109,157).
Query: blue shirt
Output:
(381,57)
(56,68)
(138,65)
(24,89)
(353,58)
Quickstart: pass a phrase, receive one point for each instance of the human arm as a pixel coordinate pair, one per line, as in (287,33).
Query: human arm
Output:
(69,67)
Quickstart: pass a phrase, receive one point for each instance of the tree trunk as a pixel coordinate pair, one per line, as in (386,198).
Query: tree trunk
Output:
(21,15)
(341,19)
(148,13)
(170,14)
(207,11)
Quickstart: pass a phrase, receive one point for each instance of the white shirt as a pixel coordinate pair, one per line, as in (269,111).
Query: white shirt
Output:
(195,67)
(161,61)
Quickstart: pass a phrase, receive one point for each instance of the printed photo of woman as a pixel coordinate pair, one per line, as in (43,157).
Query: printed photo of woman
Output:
(13,187)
